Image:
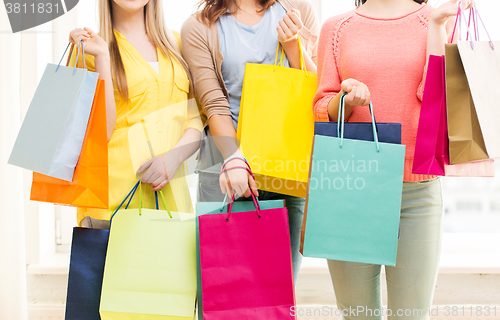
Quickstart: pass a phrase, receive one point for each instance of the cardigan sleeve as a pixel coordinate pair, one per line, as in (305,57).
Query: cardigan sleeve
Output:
(309,33)
(201,61)
(329,82)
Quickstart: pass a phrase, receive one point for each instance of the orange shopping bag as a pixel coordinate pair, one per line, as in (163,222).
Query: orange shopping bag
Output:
(89,187)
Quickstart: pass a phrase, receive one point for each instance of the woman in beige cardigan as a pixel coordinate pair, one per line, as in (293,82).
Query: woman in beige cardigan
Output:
(217,42)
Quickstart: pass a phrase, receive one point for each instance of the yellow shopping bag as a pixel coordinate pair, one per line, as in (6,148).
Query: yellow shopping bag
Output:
(150,270)
(276,125)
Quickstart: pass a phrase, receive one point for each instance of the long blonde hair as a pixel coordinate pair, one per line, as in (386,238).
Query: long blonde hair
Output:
(156,30)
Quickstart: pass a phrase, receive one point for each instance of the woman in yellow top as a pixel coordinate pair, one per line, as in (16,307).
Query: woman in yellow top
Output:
(152,125)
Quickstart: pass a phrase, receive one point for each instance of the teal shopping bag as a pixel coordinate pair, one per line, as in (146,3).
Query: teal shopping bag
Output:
(354,199)
(204,208)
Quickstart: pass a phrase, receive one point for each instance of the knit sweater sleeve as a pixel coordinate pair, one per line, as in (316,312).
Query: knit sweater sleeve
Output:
(328,75)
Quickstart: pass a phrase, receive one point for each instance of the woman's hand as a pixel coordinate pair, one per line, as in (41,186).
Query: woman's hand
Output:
(237,179)
(94,44)
(442,14)
(159,170)
(359,95)
(289,27)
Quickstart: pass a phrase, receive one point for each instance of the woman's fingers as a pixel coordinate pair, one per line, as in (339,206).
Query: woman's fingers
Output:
(291,25)
(158,181)
(285,28)
(362,97)
(281,33)
(90,32)
(144,166)
(77,35)
(368,97)
(253,185)
(295,18)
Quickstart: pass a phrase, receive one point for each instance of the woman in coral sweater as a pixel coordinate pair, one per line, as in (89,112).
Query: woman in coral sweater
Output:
(378,53)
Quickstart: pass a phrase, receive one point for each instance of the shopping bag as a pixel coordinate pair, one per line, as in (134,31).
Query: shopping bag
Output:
(481,61)
(89,187)
(466,141)
(278,146)
(431,148)
(86,268)
(480,168)
(387,132)
(204,208)
(354,199)
(150,269)
(246,264)
(53,130)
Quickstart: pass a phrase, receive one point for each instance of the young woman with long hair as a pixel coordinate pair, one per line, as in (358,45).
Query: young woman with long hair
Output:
(147,82)
(378,53)
(218,42)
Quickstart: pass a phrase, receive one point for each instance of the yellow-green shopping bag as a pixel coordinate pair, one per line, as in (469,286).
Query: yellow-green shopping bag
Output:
(276,125)
(150,270)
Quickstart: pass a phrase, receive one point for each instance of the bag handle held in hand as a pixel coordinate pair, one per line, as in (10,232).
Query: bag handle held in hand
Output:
(474,17)
(230,206)
(282,56)
(80,45)
(341,124)
(131,194)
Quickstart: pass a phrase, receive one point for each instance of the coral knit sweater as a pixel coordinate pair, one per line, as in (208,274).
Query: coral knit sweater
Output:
(389,56)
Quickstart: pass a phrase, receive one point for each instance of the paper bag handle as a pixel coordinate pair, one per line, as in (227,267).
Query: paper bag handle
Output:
(131,194)
(282,56)
(80,45)
(230,206)
(341,124)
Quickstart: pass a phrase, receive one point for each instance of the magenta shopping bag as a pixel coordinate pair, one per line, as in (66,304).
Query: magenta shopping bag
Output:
(246,265)
(431,149)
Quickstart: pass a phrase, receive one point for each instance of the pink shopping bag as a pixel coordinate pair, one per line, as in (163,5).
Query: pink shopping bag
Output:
(432,147)
(246,265)
(481,168)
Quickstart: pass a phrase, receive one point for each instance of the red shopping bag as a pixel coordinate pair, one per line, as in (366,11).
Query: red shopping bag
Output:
(246,265)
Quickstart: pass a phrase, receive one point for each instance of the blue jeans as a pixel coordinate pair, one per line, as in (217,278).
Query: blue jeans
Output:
(209,191)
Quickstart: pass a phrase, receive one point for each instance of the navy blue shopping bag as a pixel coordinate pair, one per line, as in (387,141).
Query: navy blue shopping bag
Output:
(387,132)
(86,269)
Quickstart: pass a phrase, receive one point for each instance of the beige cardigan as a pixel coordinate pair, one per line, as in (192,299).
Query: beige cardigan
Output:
(200,48)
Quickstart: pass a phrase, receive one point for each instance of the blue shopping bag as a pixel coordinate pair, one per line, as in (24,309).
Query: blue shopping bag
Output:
(203,208)
(354,198)
(387,132)
(86,269)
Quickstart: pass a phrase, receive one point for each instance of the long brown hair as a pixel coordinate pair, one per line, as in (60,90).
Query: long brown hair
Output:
(156,30)
(211,10)
(360,2)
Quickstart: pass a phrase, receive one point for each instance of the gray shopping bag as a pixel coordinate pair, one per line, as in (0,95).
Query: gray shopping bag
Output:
(53,130)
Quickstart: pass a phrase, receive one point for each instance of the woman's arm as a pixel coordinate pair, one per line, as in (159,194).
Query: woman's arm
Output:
(161,169)
(288,33)
(330,87)
(215,104)
(97,47)
(437,35)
